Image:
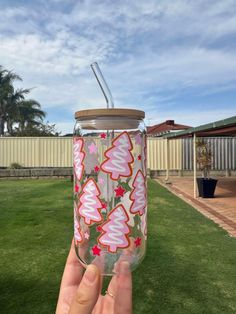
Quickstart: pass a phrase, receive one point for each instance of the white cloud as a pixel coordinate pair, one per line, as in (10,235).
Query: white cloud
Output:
(65,54)
(150,51)
(175,70)
(193,117)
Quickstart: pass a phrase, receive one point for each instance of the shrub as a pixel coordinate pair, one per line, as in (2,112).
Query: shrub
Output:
(15,165)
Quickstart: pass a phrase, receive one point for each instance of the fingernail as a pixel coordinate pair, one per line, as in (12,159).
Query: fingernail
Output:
(90,275)
(124,268)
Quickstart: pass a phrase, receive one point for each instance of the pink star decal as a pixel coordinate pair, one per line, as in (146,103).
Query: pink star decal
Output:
(93,149)
(99,229)
(86,235)
(120,191)
(103,135)
(96,168)
(137,241)
(101,180)
(96,250)
(139,157)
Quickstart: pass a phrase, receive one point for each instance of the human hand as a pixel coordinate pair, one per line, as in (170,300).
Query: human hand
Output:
(80,294)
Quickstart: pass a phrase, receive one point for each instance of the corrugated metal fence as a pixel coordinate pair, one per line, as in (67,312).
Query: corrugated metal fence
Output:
(156,154)
(36,151)
(57,152)
(223,152)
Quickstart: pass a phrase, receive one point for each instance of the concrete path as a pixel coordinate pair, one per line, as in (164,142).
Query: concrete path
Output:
(221,209)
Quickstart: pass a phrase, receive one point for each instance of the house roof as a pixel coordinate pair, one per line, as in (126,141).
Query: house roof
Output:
(225,127)
(164,127)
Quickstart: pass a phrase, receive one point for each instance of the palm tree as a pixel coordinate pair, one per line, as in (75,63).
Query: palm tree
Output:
(29,114)
(13,103)
(6,89)
(14,108)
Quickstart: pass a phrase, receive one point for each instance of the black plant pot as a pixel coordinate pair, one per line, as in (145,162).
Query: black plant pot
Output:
(206,187)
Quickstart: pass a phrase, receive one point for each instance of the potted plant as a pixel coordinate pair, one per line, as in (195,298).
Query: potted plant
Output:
(206,185)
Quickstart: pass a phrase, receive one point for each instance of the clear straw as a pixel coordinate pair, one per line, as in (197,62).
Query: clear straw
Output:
(103,85)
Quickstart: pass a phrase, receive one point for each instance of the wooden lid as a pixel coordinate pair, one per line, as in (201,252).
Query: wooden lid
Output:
(118,112)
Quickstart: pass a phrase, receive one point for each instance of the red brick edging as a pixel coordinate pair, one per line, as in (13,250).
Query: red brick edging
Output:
(230,223)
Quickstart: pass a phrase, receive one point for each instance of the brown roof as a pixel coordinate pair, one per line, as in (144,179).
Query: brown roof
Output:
(225,127)
(165,127)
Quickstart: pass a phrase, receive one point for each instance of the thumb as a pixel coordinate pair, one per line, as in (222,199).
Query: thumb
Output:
(87,293)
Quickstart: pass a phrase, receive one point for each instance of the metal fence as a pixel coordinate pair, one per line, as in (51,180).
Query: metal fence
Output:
(57,152)
(223,153)
(157,151)
(36,151)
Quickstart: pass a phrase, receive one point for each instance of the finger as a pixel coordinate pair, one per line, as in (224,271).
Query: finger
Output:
(113,283)
(70,280)
(108,299)
(125,256)
(88,292)
(73,269)
(82,248)
(99,261)
(103,301)
(98,309)
(123,296)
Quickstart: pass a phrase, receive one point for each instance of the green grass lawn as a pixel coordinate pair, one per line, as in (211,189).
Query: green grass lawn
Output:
(190,265)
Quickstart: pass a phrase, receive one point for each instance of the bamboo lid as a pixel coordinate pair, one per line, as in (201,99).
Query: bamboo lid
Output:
(108,112)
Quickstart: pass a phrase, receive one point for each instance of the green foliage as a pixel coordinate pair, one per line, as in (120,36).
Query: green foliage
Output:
(125,185)
(19,114)
(189,266)
(15,165)
(40,129)
(6,94)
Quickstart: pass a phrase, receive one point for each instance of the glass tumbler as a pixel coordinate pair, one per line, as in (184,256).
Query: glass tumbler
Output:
(110,198)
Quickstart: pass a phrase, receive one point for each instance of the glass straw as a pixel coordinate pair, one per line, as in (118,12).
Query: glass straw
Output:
(103,85)
(110,104)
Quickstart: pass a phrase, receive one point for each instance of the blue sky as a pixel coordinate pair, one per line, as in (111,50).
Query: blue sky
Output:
(172,59)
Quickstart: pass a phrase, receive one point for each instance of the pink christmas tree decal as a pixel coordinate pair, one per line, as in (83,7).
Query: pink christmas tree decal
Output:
(119,157)
(78,155)
(115,230)
(138,195)
(77,233)
(90,203)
